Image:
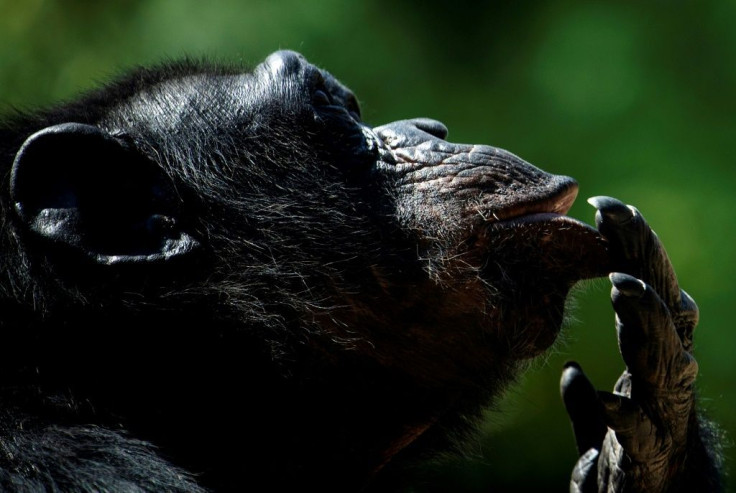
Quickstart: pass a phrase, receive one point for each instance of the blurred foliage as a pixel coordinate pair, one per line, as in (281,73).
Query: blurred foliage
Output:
(636,99)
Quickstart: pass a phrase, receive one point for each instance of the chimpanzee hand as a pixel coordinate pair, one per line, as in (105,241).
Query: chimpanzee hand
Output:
(645,436)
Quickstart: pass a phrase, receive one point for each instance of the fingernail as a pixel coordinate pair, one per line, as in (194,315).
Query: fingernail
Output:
(627,285)
(570,374)
(612,209)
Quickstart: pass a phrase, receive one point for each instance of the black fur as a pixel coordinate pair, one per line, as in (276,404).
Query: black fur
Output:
(215,279)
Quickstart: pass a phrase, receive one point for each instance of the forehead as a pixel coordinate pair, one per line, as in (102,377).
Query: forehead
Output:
(208,102)
(187,101)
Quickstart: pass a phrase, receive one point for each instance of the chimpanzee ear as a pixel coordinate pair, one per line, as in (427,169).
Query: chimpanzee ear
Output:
(77,186)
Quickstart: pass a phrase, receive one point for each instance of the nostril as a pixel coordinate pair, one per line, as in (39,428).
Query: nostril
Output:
(432,127)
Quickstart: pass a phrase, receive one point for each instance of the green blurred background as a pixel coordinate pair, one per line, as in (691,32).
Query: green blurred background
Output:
(636,99)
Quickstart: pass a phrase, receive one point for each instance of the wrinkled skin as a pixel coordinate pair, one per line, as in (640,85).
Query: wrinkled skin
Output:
(212,279)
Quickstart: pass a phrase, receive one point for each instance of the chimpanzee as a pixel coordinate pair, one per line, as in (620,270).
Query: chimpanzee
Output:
(217,280)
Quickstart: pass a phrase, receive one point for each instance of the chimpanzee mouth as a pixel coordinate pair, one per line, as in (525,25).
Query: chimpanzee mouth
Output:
(532,256)
(568,247)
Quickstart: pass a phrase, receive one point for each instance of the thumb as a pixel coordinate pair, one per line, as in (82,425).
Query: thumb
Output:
(584,408)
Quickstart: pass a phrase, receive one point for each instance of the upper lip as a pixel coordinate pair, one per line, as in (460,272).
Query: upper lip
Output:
(558,201)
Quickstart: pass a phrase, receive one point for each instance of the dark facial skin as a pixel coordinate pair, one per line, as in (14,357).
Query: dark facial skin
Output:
(235,268)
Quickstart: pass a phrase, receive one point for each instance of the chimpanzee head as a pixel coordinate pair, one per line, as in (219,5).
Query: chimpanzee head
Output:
(188,212)
(263,200)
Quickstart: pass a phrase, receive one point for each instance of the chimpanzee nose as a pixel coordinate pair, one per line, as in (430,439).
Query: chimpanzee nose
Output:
(432,127)
(411,133)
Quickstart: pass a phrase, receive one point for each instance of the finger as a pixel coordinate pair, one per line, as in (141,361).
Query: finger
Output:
(635,248)
(585,474)
(581,402)
(634,430)
(621,413)
(648,340)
